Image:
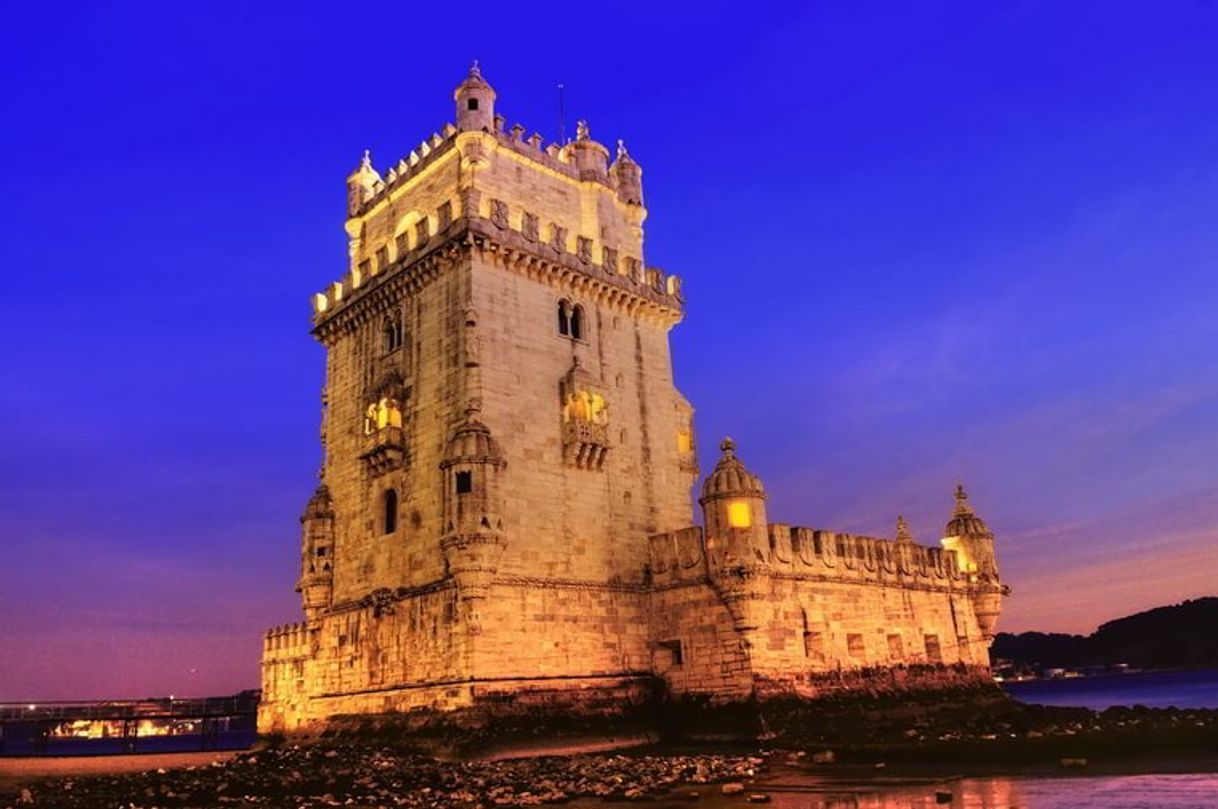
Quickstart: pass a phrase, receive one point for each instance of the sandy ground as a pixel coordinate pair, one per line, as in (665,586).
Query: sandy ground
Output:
(16,770)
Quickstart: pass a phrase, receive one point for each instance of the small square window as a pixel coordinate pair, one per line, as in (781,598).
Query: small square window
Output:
(465,482)
(896,648)
(739,515)
(472,104)
(934,652)
(854,645)
(675,652)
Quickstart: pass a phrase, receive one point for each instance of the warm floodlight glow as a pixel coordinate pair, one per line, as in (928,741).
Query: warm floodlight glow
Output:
(963,557)
(685,442)
(738,514)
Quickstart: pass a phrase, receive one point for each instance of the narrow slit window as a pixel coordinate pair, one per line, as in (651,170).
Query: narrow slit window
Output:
(577,322)
(391,511)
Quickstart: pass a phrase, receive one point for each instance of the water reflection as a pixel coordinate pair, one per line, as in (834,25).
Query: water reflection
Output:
(989,793)
(1098,792)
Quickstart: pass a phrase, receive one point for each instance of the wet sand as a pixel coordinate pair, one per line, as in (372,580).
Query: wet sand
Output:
(17,770)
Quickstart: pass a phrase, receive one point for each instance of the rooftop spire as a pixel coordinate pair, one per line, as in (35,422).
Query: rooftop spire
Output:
(963,509)
(728,447)
(903,532)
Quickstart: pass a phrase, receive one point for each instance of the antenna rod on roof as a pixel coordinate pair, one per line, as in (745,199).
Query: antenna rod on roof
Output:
(562,134)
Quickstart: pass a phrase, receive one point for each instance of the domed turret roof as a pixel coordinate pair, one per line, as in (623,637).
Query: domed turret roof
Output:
(730,478)
(473,81)
(964,521)
(472,442)
(319,504)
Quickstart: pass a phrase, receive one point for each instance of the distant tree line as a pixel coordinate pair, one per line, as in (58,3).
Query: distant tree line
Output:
(1178,636)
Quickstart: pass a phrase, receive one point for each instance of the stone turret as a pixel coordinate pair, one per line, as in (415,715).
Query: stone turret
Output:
(737,535)
(361,184)
(733,502)
(590,157)
(473,539)
(317,551)
(973,542)
(475,100)
(627,177)
(968,535)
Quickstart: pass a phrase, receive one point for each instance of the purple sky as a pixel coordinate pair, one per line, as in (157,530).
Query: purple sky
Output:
(921,245)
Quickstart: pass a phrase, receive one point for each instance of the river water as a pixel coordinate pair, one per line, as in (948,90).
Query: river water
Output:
(1155,689)
(1095,792)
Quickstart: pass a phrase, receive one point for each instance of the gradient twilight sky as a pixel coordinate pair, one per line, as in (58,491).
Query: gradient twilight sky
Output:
(922,243)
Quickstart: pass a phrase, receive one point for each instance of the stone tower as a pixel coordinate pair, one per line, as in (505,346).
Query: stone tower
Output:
(505,504)
(501,432)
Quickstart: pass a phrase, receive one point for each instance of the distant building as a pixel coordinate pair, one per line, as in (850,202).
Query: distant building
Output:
(505,499)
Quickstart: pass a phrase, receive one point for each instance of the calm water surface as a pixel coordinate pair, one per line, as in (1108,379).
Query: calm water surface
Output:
(1154,689)
(1099,792)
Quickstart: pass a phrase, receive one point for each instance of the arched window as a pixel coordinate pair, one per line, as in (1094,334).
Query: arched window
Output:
(391,334)
(564,318)
(391,511)
(577,322)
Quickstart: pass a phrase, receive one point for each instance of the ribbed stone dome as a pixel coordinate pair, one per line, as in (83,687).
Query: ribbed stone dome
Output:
(964,521)
(730,478)
(472,443)
(473,81)
(319,504)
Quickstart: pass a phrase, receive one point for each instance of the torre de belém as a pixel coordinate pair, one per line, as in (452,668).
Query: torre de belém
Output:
(505,500)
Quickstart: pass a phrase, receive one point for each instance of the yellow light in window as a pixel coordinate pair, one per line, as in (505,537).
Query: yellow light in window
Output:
(685,442)
(739,515)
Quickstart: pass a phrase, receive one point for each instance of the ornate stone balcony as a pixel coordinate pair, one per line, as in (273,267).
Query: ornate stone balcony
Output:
(585,443)
(385,450)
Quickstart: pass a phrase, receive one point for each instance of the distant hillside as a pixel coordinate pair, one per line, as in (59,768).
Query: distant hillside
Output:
(1165,637)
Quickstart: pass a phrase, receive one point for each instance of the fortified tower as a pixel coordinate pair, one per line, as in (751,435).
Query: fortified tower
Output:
(505,503)
(500,429)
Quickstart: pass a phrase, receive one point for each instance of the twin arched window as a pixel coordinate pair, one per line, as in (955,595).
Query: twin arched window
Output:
(571,320)
(391,334)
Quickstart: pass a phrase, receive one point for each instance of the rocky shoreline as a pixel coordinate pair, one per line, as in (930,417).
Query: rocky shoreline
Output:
(308,776)
(349,771)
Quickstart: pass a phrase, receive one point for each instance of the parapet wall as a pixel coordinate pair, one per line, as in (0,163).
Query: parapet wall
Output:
(681,556)
(286,642)
(546,194)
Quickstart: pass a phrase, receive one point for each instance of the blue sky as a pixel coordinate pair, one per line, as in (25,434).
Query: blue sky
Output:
(921,243)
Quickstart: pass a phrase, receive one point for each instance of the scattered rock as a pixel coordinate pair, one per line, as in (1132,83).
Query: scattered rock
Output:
(824,757)
(1074,763)
(759,797)
(732,788)
(365,775)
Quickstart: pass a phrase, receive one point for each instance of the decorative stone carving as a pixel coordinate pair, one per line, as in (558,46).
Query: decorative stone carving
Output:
(531,227)
(499,213)
(585,419)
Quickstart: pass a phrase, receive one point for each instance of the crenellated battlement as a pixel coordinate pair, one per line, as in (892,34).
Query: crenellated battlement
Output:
(285,642)
(567,203)
(555,157)
(680,556)
(855,556)
(509,227)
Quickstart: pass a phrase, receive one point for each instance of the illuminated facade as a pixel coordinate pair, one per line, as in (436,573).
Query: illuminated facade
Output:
(505,499)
